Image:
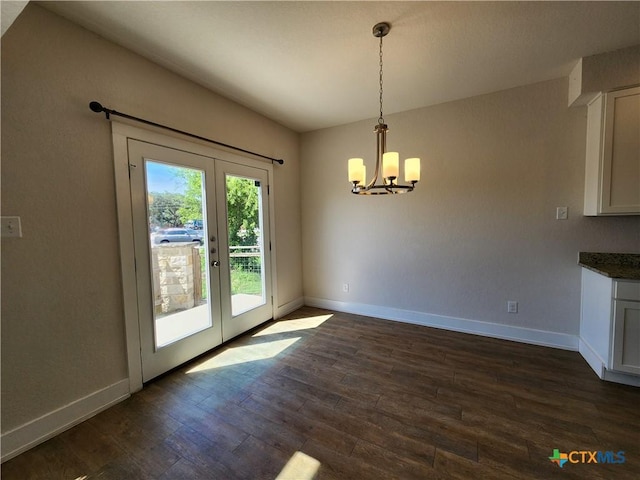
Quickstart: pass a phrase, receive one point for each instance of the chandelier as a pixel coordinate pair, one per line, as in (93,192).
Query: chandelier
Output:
(387,163)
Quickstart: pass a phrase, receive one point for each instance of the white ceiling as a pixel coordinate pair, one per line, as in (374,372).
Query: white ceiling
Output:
(310,65)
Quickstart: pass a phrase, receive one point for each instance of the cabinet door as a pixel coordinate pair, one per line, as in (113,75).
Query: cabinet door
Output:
(626,336)
(621,153)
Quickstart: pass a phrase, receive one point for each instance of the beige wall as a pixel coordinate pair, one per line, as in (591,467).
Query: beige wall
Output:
(480,228)
(62,310)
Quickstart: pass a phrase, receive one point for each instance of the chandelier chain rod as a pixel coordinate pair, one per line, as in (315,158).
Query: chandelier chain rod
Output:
(381,118)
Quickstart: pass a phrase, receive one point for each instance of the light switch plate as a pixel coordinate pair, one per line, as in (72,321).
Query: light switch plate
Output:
(562,213)
(11,227)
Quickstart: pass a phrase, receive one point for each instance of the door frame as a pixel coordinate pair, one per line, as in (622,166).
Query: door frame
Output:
(121,132)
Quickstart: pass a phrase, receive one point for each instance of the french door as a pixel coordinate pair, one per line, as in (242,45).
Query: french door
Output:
(201,241)
(242,209)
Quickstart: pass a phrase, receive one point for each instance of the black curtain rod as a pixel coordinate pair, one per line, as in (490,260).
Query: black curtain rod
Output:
(98,108)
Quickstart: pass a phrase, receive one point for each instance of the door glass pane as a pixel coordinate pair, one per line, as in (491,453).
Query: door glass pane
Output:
(177,232)
(246,252)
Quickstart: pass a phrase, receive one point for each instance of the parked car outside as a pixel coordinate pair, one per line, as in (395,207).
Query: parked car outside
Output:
(173,235)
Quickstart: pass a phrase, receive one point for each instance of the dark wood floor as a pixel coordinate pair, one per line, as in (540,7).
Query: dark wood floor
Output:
(367,399)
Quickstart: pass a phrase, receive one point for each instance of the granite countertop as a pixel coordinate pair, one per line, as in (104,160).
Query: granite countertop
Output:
(625,266)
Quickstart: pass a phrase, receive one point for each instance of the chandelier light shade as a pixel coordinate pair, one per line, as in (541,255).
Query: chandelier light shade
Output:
(387,171)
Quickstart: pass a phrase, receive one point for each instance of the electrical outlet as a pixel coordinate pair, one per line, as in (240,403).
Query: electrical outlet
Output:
(512,307)
(562,213)
(11,227)
(345,287)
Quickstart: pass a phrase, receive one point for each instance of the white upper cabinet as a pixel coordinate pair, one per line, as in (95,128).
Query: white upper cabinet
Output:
(612,176)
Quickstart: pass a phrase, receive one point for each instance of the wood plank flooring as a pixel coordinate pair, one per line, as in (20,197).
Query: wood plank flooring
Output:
(364,399)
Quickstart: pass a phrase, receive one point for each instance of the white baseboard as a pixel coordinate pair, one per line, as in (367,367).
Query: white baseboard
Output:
(617,377)
(485,329)
(592,358)
(32,433)
(599,366)
(289,307)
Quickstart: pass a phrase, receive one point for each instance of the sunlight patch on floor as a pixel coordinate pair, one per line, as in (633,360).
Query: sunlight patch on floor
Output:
(284,326)
(244,354)
(299,467)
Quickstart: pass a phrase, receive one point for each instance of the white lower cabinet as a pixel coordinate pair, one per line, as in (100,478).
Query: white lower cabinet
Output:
(626,336)
(610,326)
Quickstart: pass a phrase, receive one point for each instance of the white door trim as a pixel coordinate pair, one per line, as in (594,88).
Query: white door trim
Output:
(120,133)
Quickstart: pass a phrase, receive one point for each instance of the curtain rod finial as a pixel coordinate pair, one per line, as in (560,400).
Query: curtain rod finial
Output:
(96,107)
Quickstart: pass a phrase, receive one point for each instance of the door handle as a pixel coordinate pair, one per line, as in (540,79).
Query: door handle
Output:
(215,263)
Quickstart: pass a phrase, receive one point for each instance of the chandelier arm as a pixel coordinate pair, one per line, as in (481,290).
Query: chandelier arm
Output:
(379,151)
(383,190)
(381,146)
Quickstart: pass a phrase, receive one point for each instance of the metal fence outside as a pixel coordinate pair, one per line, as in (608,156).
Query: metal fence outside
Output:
(246,258)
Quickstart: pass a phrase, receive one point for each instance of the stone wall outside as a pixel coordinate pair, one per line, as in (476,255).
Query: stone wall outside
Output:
(176,277)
